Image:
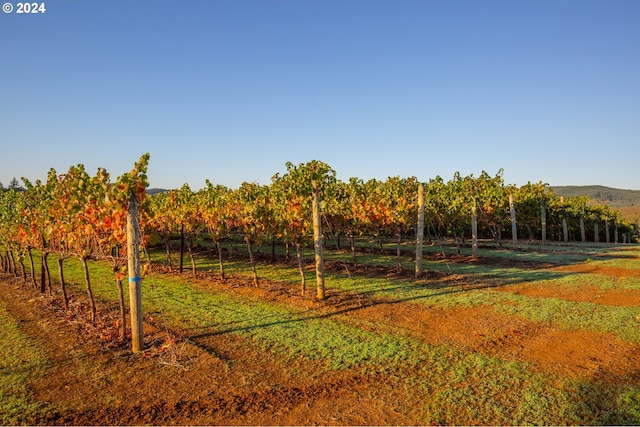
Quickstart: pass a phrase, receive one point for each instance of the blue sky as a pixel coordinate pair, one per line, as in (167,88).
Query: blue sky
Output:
(231,90)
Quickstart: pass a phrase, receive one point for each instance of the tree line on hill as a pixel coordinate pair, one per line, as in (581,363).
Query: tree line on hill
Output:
(614,197)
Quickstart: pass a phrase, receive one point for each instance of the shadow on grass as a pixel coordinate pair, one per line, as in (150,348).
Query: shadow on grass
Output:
(353,302)
(465,278)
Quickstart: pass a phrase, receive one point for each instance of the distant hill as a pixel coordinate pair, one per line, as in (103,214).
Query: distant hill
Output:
(152,191)
(613,197)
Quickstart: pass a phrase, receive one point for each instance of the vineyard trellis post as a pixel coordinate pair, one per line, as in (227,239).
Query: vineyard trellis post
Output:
(181,246)
(474,231)
(420,232)
(565,228)
(543,220)
(135,288)
(514,227)
(317,240)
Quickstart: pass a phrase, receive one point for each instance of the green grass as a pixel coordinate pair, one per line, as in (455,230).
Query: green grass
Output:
(621,321)
(621,261)
(291,331)
(489,391)
(20,362)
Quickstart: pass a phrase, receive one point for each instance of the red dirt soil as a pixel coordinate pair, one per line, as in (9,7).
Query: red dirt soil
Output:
(586,293)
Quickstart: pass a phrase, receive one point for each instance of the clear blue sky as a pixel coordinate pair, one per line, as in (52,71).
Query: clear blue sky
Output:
(230,90)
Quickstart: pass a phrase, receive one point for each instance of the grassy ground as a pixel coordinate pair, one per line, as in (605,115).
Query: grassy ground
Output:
(20,361)
(443,383)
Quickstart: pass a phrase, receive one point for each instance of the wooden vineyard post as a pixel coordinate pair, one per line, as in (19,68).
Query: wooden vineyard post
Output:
(135,289)
(420,232)
(181,246)
(474,231)
(514,228)
(317,240)
(596,231)
(606,227)
(565,228)
(543,220)
(583,233)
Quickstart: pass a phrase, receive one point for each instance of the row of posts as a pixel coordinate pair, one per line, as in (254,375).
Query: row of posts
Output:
(543,219)
(514,232)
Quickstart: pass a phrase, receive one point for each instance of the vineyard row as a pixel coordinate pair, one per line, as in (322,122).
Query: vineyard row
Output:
(76,214)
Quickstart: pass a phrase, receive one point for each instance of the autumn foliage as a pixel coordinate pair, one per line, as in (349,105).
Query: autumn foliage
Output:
(76,214)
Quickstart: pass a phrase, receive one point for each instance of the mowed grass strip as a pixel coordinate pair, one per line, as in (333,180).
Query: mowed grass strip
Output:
(20,362)
(624,322)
